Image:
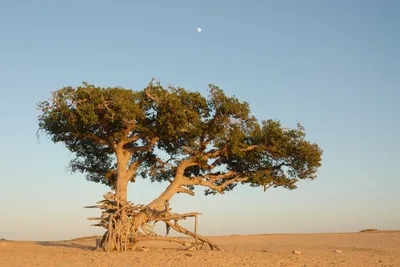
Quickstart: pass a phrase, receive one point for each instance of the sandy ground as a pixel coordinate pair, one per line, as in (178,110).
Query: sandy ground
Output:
(359,249)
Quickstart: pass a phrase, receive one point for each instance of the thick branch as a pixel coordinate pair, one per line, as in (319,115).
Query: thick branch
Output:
(212,154)
(210,183)
(185,190)
(133,167)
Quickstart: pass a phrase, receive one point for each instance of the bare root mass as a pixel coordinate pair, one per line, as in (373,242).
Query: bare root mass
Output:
(128,224)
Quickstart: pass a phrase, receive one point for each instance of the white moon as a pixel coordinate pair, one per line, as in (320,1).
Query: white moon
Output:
(198,29)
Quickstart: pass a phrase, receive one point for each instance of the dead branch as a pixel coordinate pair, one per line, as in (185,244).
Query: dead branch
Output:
(182,230)
(176,216)
(122,220)
(161,238)
(149,95)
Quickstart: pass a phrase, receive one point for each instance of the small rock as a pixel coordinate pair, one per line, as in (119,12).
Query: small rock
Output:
(338,251)
(142,249)
(296,252)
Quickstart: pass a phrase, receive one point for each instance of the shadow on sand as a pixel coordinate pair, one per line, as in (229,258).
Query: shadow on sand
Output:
(66,245)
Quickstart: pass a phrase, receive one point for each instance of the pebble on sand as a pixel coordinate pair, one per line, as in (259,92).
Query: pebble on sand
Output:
(296,252)
(338,251)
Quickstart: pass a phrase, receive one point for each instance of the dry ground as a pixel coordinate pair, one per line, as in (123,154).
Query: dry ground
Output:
(359,249)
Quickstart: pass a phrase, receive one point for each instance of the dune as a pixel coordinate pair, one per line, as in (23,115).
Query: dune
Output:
(366,248)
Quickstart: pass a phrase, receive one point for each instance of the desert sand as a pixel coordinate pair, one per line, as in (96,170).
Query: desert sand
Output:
(381,248)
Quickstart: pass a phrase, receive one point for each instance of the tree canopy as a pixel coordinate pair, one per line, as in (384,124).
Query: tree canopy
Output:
(168,134)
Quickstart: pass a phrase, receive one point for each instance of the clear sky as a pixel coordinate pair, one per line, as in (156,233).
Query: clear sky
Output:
(333,66)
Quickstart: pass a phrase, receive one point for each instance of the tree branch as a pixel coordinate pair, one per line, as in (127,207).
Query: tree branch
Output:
(160,238)
(92,137)
(210,183)
(212,154)
(147,92)
(131,139)
(143,148)
(186,191)
(249,148)
(267,186)
(215,177)
(133,167)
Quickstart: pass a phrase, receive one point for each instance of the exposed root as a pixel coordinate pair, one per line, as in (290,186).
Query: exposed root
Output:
(161,238)
(197,246)
(122,221)
(183,230)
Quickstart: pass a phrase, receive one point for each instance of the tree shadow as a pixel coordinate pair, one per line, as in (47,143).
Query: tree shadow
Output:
(65,245)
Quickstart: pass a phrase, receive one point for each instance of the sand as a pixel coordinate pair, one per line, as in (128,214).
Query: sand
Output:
(357,249)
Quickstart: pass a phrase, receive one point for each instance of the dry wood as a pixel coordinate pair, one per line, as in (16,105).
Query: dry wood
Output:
(183,230)
(161,238)
(176,216)
(122,220)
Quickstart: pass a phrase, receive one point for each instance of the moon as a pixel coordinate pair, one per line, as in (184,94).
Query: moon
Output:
(198,29)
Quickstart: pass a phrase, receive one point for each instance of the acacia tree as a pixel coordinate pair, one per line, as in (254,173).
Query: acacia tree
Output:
(211,142)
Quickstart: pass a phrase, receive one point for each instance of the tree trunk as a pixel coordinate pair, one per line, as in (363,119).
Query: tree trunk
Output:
(122,189)
(171,190)
(122,174)
(122,226)
(159,202)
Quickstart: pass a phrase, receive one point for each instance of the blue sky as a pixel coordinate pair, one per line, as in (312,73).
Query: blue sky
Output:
(333,66)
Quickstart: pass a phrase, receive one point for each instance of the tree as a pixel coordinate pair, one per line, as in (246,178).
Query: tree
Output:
(106,128)
(117,134)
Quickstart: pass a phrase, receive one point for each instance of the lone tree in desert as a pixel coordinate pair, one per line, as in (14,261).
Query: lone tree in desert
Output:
(174,136)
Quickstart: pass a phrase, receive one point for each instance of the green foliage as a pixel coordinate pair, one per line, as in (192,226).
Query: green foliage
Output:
(221,137)
(224,144)
(91,122)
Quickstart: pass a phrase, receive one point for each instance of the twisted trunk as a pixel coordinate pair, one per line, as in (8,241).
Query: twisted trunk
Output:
(123,225)
(158,204)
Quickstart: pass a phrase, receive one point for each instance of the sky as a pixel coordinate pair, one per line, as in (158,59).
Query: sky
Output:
(333,66)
